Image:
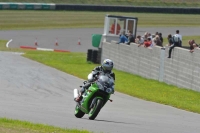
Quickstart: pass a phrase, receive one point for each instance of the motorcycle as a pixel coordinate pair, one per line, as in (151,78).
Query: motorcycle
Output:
(96,96)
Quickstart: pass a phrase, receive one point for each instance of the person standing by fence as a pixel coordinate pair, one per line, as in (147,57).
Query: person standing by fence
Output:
(175,43)
(180,37)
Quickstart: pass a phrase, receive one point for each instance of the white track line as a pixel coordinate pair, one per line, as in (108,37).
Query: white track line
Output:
(8,43)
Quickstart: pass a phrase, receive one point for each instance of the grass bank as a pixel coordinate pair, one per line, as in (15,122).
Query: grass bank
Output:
(71,19)
(127,83)
(16,126)
(166,3)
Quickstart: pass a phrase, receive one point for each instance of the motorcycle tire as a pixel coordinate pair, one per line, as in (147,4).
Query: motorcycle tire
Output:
(96,109)
(78,113)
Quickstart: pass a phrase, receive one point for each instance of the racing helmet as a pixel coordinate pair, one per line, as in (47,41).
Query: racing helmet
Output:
(107,65)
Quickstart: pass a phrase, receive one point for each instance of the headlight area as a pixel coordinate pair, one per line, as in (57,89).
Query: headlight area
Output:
(109,90)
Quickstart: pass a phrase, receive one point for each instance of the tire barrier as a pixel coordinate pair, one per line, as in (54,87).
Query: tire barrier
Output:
(93,55)
(89,55)
(27,6)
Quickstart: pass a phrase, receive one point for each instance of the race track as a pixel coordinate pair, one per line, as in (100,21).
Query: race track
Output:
(41,94)
(34,92)
(68,38)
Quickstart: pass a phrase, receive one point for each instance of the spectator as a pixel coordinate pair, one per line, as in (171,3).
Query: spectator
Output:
(130,38)
(176,43)
(153,40)
(193,45)
(156,33)
(170,40)
(149,35)
(161,38)
(176,40)
(112,29)
(148,42)
(180,38)
(123,38)
(157,41)
(139,40)
(145,36)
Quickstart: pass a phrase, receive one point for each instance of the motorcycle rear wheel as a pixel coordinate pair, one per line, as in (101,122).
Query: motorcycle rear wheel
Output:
(95,110)
(78,113)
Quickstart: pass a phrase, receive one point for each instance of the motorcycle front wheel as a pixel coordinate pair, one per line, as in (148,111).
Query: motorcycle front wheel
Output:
(78,113)
(95,110)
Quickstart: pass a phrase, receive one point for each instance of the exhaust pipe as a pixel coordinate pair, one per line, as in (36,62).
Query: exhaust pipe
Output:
(76,93)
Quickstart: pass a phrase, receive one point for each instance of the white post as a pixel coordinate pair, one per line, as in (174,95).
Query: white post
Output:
(162,62)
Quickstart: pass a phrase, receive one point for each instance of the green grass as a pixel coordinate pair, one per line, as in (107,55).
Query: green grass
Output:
(166,3)
(136,86)
(4,48)
(71,19)
(16,126)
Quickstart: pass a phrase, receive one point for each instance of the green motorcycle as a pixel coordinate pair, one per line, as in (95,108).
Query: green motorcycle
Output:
(95,97)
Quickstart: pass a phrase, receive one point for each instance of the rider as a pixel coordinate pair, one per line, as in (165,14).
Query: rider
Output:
(106,67)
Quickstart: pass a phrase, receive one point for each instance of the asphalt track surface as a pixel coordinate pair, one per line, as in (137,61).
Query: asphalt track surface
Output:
(37,93)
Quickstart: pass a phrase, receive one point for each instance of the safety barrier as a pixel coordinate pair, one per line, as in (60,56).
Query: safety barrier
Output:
(84,7)
(127,9)
(181,70)
(26,6)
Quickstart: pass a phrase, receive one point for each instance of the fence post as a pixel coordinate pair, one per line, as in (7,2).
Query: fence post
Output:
(162,62)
